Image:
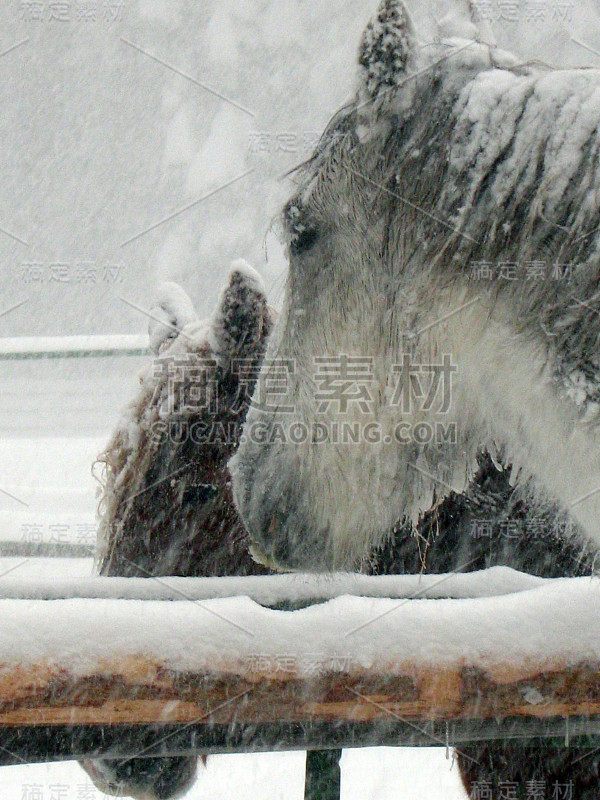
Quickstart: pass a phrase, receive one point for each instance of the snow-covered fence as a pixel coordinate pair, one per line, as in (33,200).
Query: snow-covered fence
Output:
(47,534)
(16,549)
(27,347)
(218,671)
(295,590)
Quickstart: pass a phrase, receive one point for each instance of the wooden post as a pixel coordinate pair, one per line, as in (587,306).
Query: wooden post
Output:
(323,777)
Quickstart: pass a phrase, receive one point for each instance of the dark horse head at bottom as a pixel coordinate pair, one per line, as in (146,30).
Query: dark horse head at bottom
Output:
(143,778)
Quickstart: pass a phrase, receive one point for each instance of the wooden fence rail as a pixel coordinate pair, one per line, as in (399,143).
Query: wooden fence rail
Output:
(80,677)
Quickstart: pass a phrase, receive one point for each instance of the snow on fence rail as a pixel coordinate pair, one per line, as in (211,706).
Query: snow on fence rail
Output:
(276,590)
(27,347)
(347,671)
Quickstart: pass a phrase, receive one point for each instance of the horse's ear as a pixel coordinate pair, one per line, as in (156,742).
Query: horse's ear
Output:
(172,311)
(242,320)
(387,52)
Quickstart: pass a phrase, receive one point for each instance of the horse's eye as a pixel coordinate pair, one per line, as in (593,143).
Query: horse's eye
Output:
(302,239)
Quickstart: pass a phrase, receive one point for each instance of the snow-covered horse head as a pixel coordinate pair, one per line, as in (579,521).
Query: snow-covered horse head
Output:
(442,297)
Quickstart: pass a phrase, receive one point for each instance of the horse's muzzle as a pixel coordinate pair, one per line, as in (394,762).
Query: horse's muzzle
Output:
(269,501)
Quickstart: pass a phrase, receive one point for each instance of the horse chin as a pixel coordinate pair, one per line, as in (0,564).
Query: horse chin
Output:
(287,531)
(260,557)
(284,546)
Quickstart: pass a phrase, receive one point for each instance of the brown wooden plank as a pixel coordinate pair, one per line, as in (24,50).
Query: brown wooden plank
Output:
(140,691)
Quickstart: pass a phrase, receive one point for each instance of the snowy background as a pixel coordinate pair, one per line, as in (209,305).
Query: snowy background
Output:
(101,141)
(145,140)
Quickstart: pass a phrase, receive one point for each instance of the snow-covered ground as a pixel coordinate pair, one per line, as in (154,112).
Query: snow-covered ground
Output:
(64,397)
(370,774)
